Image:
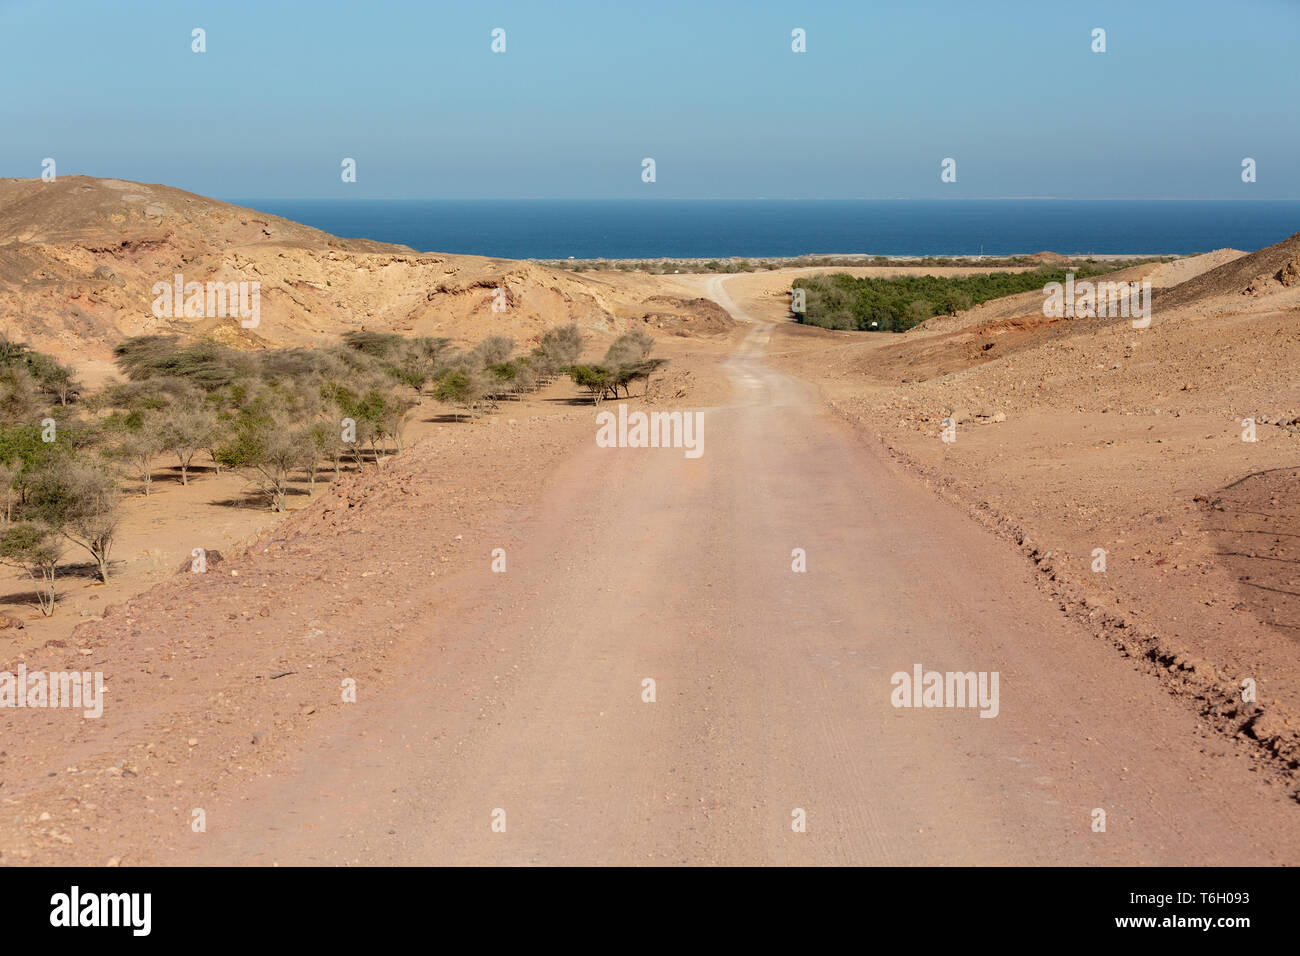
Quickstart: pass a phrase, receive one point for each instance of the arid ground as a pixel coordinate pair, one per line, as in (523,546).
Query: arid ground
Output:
(520,695)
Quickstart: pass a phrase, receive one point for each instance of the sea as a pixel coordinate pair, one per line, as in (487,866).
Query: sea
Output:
(644,229)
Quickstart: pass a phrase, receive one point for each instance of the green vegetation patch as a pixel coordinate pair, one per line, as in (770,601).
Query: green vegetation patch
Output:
(872,304)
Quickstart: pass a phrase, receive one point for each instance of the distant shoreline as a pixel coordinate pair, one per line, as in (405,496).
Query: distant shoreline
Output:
(732,264)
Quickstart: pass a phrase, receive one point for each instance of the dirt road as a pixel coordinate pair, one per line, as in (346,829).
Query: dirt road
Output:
(772,688)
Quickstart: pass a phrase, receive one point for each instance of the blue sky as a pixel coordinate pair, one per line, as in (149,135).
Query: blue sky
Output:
(710,90)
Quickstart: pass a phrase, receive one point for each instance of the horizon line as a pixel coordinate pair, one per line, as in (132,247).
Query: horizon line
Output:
(753,199)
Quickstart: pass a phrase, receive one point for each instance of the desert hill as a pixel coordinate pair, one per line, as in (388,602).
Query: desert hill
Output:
(106,214)
(79,259)
(1273,272)
(946,351)
(1027,305)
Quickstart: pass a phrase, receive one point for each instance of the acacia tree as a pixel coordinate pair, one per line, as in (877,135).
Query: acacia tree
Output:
(8,478)
(309,456)
(268,441)
(433,352)
(630,348)
(559,348)
(34,549)
(18,396)
(328,441)
(527,377)
(391,420)
(82,504)
(493,350)
(504,378)
(461,387)
(269,452)
(24,454)
(54,379)
(596,379)
(563,344)
(419,360)
(627,374)
(363,412)
(185,432)
(363,434)
(222,424)
(321,447)
(139,444)
(628,359)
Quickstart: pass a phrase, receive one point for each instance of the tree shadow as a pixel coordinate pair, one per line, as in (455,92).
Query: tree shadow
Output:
(574,400)
(87,570)
(1255,531)
(198,470)
(253,499)
(73,572)
(23,599)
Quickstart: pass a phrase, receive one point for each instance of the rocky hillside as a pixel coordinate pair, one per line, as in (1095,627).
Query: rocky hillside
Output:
(79,259)
(1272,272)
